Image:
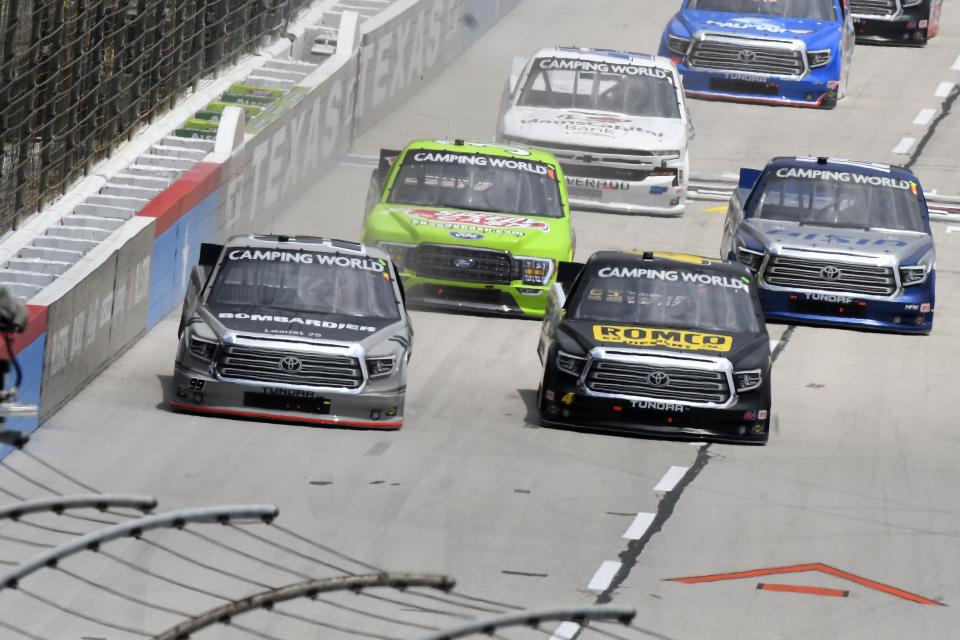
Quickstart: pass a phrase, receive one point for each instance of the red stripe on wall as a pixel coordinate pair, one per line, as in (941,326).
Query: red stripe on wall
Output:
(183,195)
(36,326)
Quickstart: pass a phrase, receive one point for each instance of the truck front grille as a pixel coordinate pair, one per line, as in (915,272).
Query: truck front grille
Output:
(290,367)
(745,55)
(449,262)
(841,277)
(881,8)
(661,383)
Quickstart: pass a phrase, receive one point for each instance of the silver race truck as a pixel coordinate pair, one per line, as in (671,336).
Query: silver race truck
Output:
(616,121)
(294,329)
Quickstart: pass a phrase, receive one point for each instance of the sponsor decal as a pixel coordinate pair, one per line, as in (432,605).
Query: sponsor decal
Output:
(466,235)
(837,239)
(911,307)
(289,393)
(306,257)
(672,276)
(843,176)
(925,308)
(672,338)
(658,189)
(746,77)
(293,320)
(570,64)
(598,183)
(477,160)
(765,27)
(829,297)
(492,220)
(658,406)
(577,123)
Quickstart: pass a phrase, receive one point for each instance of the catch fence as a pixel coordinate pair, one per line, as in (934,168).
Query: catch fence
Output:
(77,77)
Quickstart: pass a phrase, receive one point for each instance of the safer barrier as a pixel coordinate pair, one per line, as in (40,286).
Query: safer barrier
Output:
(122,288)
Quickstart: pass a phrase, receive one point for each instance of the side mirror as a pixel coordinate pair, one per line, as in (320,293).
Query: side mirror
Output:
(748,178)
(567,274)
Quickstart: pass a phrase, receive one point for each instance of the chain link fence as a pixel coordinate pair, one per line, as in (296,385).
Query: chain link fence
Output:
(77,77)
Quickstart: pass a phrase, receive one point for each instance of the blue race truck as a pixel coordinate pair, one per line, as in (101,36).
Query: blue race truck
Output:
(835,242)
(779,52)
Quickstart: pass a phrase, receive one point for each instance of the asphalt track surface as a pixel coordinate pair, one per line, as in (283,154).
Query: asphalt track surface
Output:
(860,473)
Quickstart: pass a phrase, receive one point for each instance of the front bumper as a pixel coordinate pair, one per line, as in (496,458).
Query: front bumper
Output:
(565,404)
(817,89)
(513,299)
(912,312)
(912,28)
(368,410)
(654,195)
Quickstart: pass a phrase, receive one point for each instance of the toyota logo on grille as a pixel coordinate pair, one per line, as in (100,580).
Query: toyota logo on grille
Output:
(830,273)
(658,379)
(747,56)
(464,263)
(290,364)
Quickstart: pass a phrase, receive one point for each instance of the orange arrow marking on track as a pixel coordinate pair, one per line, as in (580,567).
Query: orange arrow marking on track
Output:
(803,568)
(813,591)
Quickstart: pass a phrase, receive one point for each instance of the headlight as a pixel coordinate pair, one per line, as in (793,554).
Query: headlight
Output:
(910,276)
(401,254)
(379,367)
(203,349)
(747,380)
(569,363)
(677,44)
(752,259)
(819,58)
(533,271)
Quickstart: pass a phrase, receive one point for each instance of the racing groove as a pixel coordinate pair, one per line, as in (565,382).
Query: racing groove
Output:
(860,474)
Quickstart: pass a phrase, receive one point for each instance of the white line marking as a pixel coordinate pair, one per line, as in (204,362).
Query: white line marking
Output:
(903,147)
(639,527)
(604,575)
(953,229)
(944,89)
(925,116)
(956,65)
(697,444)
(671,478)
(566,631)
(773,344)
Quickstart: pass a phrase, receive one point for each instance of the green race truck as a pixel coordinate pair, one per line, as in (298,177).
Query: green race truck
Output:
(472,226)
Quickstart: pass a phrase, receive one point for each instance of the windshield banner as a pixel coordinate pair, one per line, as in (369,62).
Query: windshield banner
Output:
(306,257)
(673,276)
(570,64)
(844,176)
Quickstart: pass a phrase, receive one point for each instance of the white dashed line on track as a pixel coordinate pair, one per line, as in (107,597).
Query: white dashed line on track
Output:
(566,631)
(953,229)
(956,65)
(773,344)
(604,575)
(670,479)
(903,147)
(639,526)
(944,89)
(925,116)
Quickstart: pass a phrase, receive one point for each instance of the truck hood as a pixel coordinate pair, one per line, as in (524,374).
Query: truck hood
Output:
(742,349)
(775,234)
(585,128)
(753,25)
(518,234)
(275,323)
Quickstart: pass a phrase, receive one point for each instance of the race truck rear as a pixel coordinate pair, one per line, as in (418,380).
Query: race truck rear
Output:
(471,226)
(617,121)
(294,329)
(836,242)
(663,344)
(780,52)
(910,22)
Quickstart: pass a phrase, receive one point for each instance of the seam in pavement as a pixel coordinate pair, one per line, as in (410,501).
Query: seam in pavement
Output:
(945,109)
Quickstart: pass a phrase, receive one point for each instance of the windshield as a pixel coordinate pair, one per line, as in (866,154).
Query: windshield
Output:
(632,90)
(813,9)
(841,199)
(477,182)
(664,297)
(307,282)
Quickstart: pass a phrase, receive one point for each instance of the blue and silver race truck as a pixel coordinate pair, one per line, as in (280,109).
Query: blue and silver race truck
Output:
(781,52)
(835,242)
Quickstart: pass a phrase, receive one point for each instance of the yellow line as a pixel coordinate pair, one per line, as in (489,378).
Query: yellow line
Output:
(722,209)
